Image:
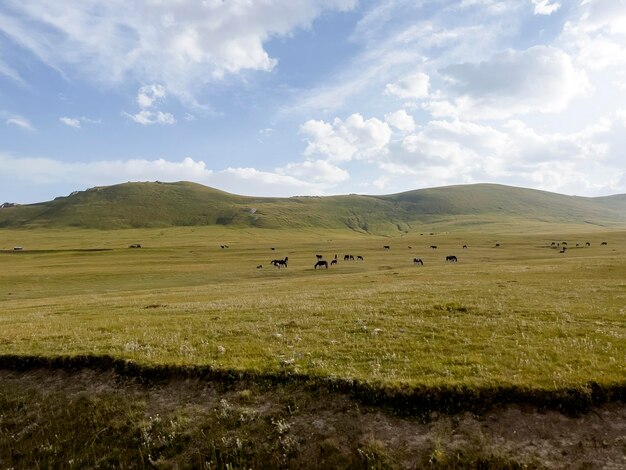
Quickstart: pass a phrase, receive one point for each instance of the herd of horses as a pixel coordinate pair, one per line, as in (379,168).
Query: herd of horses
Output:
(322,263)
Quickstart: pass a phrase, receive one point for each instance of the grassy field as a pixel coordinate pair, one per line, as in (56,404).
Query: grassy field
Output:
(521,314)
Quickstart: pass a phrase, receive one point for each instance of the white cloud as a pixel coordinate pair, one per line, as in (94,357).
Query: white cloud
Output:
(47,174)
(182,44)
(541,78)
(149,94)
(344,140)
(316,171)
(146,117)
(71,122)
(401,120)
(545,7)
(20,122)
(411,86)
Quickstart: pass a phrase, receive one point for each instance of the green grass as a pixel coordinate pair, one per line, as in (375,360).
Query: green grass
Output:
(520,315)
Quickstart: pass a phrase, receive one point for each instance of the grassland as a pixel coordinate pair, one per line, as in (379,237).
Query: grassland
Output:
(518,320)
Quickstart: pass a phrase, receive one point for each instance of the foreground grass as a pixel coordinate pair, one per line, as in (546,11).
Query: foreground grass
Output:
(519,315)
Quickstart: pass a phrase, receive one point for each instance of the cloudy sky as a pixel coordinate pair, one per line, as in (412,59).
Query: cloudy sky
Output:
(293,97)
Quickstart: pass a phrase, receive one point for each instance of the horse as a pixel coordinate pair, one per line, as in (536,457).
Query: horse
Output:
(563,243)
(319,257)
(272,248)
(386,247)
(351,258)
(346,258)
(410,248)
(359,258)
(333,262)
(434,247)
(451,258)
(259,266)
(418,261)
(497,244)
(280,262)
(603,243)
(588,244)
(464,246)
(321,264)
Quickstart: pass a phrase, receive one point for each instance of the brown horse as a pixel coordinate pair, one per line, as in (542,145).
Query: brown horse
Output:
(418,261)
(321,264)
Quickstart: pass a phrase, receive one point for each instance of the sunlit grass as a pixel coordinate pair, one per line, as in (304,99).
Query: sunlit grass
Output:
(521,314)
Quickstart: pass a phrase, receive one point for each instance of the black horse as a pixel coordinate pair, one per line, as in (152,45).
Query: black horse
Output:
(386,247)
(333,262)
(359,258)
(321,264)
(280,262)
(418,261)
(451,258)
(319,257)
(346,258)
(434,247)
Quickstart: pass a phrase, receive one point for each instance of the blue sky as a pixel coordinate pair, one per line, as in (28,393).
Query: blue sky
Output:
(293,97)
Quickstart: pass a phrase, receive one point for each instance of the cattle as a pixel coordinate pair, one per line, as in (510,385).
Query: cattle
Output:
(563,250)
(497,244)
(259,266)
(272,248)
(319,257)
(351,258)
(386,247)
(135,245)
(588,244)
(333,262)
(603,243)
(418,261)
(552,244)
(451,258)
(17,248)
(359,258)
(563,243)
(321,264)
(434,247)
(464,246)
(410,248)
(346,258)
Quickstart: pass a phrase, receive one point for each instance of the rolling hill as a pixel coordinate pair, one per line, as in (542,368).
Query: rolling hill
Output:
(156,204)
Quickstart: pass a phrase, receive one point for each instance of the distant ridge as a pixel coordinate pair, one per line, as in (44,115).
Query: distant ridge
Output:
(156,204)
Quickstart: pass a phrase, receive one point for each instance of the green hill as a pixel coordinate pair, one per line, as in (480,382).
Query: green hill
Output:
(188,204)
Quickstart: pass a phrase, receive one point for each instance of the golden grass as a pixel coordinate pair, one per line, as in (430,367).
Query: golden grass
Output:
(521,314)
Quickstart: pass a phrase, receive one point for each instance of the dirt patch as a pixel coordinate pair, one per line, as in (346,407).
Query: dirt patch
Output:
(196,423)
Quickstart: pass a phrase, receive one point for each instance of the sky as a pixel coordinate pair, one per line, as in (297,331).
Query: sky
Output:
(312,97)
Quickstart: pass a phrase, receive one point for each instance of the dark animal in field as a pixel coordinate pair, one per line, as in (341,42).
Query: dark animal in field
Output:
(18,248)
(272,248)
(576,244)
(333,262)
(386,247)
(280,262)
(418,261)
(359,258)
(588,244)
(135,245)
(222,247)
(434,247)
(464,246)
(335,255)
(351,258)
(346,258)
(410,248)
(563,243)
(603,243)
(451,258)
(259,266)
(319,256)
(497,244)
(552,244)
(321,264)
(562,251)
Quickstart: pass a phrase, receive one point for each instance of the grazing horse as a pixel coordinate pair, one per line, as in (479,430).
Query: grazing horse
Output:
(588,244)
(259,266)
(497,244)
(386,247)
(351,258)
(346,258)
(333,262)
(418,261)
(280,262)
(434,247)
(552,244)
(319,257)
(136,245)
(603,243)
(272,248)
(563,243)
(321,264)
(359,258)
(335,256)
(410,248)
(451,258)
(464,246)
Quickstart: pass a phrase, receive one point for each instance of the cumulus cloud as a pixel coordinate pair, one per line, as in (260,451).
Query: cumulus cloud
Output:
(411,86)
(316,171)
(149,94)
(344,140)
(545,7)
(182,44)
(401,120)
(20,175)
(541,78)
(20,122)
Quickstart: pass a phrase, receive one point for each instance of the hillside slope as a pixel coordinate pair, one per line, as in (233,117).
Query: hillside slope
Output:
(188,204)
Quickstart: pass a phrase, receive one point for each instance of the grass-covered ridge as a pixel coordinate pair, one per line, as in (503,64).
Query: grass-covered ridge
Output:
(188,204)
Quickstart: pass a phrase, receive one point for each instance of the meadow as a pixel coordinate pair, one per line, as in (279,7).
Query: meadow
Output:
(521,314)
